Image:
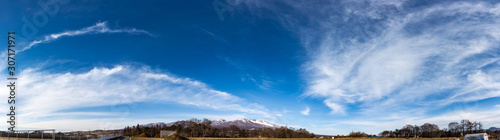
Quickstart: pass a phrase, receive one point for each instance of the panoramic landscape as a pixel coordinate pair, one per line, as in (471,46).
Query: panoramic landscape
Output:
(250,69)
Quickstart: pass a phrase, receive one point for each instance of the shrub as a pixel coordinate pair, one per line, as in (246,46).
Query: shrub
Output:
(142,135)
(176,136)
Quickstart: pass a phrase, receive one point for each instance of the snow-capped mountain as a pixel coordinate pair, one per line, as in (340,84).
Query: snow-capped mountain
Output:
(494,129)
(220,123)
(244,123)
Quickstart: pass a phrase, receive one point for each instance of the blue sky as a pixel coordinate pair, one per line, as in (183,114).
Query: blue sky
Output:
(331,67)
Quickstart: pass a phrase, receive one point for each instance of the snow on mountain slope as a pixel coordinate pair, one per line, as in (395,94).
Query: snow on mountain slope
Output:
(244,123)
(248,124)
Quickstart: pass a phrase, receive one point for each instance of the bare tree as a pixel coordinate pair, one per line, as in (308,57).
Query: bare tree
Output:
(454,128)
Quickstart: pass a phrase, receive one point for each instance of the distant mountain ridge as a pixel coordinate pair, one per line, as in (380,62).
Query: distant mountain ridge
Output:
(244,123)
(494,129)
(221,123)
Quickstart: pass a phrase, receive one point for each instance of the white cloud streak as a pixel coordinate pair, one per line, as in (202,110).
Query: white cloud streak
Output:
(389,60)
(306,111)
(67,125)
(98,28)
(121,88)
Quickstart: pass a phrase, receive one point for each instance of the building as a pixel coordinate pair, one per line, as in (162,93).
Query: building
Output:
(479,136)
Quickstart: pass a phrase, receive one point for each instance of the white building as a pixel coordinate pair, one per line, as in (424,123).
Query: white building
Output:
(478,136)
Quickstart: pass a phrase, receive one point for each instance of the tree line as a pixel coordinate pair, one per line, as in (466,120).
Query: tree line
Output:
(203,128)
(428,130)
(358,134)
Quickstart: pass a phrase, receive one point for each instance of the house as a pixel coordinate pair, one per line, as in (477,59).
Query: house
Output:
(478,136)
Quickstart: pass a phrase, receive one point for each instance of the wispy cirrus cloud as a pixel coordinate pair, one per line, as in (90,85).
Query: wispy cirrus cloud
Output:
(262,82)
(411,61)
(98,28)
(68,124)
(121,88)
(387,58)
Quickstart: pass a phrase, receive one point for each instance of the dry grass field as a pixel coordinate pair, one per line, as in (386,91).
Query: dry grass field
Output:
(321,139)
(200,138)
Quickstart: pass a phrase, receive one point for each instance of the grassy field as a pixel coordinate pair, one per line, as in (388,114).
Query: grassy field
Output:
(321,139)
(199,138)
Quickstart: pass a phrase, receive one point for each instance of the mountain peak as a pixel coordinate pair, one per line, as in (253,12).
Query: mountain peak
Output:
(218,122)
(244,123)
(494,129)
